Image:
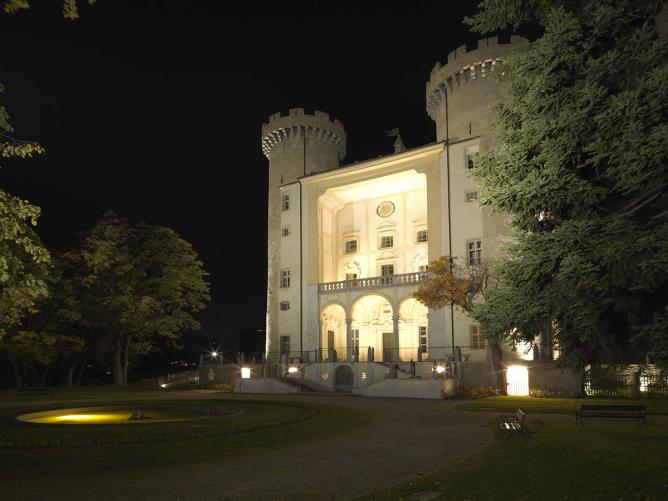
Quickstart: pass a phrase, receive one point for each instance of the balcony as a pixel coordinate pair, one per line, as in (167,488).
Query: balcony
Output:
(374,282)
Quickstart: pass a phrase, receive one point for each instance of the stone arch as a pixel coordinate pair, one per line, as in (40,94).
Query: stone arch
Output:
(343,377)
(413,321)
(372,320)
(333,331)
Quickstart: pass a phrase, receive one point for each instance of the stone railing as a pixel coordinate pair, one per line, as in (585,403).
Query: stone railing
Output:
(374,282)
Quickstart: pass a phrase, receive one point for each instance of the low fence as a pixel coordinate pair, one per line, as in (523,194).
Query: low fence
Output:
(632,381)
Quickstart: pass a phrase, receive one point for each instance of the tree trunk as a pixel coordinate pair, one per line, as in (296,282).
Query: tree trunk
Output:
(17,374)
(499,369)
(70,372)
(42,378)
(118,366)
(126,360)
(82,368)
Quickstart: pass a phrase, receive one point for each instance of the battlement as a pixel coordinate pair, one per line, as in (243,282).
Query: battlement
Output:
(298,123)
(464,65)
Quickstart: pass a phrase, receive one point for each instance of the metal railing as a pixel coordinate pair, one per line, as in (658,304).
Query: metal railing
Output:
(374,282)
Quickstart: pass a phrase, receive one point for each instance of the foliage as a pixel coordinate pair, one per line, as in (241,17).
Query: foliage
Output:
(476,392)
(580,165)
(140,285)
(70,7)
(450,283)
(23,261)
(223,387)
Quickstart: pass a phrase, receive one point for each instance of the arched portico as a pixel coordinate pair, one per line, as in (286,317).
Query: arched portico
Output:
(374,326)
(413,329)
(333,333)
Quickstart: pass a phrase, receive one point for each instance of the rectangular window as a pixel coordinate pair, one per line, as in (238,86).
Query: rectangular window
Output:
(356,337)
(472,196)
(285,278)
(474,252)
(422,332)
(351,276)
(285,305)
(471,159)
(387,270)
(351,246)
(477,341)
(286,202)
(423,267)
(422,236)
(386,241)
(285,344)
(285,231)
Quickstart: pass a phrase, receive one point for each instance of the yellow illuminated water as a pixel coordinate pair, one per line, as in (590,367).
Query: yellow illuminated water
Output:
(100,415)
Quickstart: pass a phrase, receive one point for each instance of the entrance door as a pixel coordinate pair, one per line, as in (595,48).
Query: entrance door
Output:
(387,346)
(330,345)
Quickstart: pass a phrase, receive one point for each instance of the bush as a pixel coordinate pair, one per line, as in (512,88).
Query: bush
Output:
(476,392)
(550,393)
(223,387)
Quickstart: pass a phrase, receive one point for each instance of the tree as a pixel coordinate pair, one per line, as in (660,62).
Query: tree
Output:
(463,287)
(141,284)
(580,166)
(70,7)
(23,261)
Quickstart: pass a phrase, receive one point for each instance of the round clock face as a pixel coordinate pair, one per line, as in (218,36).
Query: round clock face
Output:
(385,209)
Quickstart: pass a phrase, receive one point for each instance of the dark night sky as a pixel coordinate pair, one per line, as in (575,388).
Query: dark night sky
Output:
(154,108)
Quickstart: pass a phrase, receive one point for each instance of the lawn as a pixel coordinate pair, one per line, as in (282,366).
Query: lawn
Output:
(46,451)
(554,405)
(561,460)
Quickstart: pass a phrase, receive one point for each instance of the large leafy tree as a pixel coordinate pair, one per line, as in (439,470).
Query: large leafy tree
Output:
(580,166)
(140,285)
(23,259)
(463,287)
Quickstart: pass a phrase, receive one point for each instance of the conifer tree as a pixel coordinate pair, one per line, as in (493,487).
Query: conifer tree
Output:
(580,165)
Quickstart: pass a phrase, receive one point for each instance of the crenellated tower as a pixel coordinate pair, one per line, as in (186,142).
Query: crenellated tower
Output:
(467,84)
(297,144)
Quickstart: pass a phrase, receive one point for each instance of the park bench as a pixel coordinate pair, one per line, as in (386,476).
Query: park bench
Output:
(611,411)
(512,425)
(34,390)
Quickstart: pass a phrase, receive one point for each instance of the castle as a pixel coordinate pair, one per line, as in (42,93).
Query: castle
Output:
(349,245)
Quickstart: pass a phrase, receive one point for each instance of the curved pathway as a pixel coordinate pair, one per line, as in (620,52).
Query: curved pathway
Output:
(406,437)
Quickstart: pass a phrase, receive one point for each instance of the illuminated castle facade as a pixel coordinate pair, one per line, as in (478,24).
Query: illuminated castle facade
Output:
(349,245)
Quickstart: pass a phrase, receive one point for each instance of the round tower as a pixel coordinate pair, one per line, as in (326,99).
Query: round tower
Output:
(297,144)
(460,93)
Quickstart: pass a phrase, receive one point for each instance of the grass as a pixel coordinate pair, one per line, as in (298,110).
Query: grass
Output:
(554,405)
(46,451)
(604,460)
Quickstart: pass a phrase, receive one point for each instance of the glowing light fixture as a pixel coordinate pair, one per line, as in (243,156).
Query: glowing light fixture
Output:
(163,385)
(440,369)
(292,370)
(214,354)
(245,373)
(517,378)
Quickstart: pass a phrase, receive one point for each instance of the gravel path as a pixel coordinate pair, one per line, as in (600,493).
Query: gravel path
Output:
(405,438)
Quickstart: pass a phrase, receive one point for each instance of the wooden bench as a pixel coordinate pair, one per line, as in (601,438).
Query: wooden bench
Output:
(611,411)
(33,390)
(512,425)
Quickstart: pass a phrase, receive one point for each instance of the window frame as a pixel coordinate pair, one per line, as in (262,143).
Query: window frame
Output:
(285,202)
(284,305)
(389,236)
(475,335)
(351,240)
(285,278)
(478,251)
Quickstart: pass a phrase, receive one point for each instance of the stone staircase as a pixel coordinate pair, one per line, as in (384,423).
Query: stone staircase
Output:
(303,388)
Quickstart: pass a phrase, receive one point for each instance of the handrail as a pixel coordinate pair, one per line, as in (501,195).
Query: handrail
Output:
(374,282)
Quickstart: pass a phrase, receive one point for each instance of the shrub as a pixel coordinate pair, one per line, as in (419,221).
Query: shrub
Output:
(476,392)
(223,387)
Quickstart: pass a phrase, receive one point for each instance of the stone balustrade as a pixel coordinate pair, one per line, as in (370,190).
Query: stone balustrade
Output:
(374,282)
